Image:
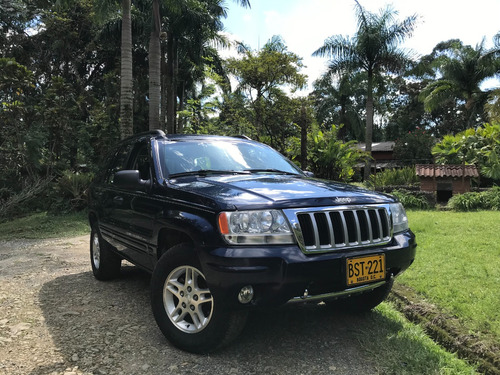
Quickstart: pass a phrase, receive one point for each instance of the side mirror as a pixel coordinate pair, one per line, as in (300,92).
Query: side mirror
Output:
(308,173)
(129,179)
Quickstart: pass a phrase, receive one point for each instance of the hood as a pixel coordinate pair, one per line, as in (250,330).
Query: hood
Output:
(276,191)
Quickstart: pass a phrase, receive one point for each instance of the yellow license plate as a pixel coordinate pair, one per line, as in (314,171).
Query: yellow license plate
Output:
(364,270)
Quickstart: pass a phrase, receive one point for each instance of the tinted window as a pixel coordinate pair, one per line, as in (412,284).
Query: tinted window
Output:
(187,156)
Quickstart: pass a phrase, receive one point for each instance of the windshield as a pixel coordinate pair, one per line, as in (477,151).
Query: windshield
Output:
(219,156)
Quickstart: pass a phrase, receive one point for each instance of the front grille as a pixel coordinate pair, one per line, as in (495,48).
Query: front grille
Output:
(321,230)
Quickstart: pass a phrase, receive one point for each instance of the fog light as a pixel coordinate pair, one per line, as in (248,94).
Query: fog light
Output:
(246,294)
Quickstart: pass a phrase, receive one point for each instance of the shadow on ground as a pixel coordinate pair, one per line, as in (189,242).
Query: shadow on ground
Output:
(108,328)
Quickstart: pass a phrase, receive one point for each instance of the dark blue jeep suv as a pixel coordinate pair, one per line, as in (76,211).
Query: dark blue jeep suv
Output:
(226,224)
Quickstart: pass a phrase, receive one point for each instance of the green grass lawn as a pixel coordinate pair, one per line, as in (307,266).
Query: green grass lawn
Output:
(402,348)
(458,266)
(43,225)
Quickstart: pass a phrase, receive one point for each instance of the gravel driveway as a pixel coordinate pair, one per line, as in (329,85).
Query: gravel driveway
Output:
(55,318)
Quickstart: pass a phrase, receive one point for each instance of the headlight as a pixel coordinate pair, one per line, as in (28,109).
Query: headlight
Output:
(255,227)
(399,219)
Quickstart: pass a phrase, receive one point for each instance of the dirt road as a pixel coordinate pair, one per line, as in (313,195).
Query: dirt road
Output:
(55,318)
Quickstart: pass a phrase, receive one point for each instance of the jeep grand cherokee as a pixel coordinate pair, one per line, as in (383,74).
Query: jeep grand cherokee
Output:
(226,224)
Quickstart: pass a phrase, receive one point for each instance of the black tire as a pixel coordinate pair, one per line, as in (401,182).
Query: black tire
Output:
(364,302)
(105,263)
(184,308)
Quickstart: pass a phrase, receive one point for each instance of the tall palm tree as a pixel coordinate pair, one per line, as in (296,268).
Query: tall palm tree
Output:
(107,10)
(154,58)
(188,23)
(462,70)
(373,49)
(337,101)
(126,79)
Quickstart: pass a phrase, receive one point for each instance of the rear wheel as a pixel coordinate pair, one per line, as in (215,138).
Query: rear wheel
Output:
(105,263)
(364,302)
(185,309)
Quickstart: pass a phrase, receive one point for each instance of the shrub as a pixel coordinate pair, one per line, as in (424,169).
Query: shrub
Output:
(491,198)
(69,192)
(412,200)
(486,200)
(394,177)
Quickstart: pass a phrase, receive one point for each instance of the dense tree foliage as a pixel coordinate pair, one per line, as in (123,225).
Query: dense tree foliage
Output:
(479,146)
(458,72)
(67,92)
(261,76)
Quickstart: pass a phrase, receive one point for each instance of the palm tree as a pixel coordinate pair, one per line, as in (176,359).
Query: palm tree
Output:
(462,70)
(154,58)
(374,50)
(107,10)
(126,79)
(189,24)
(336,99)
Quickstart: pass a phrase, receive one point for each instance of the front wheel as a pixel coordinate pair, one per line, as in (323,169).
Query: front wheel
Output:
(184,308)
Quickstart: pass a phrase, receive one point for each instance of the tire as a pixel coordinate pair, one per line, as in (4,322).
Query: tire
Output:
(364,302)
(186,311)
(105,263)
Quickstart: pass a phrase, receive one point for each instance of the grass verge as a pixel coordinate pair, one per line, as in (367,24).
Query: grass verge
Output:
(403,348)
(447,330)
(43,225)
(452,288)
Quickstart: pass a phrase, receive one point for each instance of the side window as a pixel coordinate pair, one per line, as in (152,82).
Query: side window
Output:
(119,162)
(141,162)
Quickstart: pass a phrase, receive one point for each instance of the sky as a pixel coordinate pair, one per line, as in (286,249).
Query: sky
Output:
(305,24)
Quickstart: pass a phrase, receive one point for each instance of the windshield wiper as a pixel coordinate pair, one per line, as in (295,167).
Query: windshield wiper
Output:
(269,170)
(205,172)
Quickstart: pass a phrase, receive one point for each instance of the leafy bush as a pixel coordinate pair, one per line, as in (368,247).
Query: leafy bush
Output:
(329,157)
(69,192)
(479,146)
(491,198)
(411,199)
(486,200)
(394,177)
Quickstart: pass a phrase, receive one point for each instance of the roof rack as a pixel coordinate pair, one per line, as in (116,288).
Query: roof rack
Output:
(243,136)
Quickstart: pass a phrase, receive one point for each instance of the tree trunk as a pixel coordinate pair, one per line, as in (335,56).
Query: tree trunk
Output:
(163,95)
(154,70)
(126,83)
(171,128)
(177,91)
(303,138)
(369,126)
(182,95)
(258,114)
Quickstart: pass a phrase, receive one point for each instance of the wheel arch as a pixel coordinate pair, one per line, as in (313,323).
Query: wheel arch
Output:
(184,227)
(170,237)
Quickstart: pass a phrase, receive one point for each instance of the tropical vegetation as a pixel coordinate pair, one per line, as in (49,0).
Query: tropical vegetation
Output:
(373,51)
(78,75)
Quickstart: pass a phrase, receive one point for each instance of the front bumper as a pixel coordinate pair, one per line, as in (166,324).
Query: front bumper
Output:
(282,274)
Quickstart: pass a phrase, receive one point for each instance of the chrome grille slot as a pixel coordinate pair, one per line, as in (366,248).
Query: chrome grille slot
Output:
(329,229)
